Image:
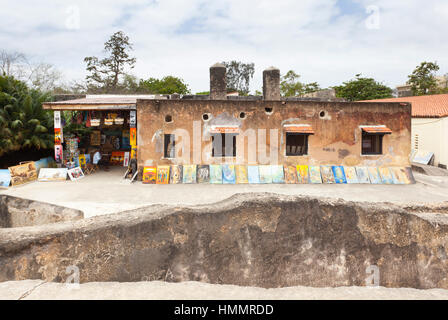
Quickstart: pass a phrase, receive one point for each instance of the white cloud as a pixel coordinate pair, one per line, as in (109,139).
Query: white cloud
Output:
(316,38)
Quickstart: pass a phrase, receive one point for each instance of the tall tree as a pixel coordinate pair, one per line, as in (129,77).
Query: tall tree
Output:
(239,75)
(423,78)
(105,74)
(166,85)
(362,89)
(290,86)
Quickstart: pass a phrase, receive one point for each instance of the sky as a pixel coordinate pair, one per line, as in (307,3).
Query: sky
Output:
(325,41)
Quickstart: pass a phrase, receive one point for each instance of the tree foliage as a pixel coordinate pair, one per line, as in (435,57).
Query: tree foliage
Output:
(423,79)
(362,88)
(290,86)
(23,122)
(166,85)
(239,75)
(105,74)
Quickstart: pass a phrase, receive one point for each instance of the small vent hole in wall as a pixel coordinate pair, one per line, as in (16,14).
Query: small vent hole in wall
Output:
(242,115)
(168,118)
(322,114)
(268,110)
(205,117)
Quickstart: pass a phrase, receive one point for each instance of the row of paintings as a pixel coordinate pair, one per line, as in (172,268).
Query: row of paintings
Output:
(262,174)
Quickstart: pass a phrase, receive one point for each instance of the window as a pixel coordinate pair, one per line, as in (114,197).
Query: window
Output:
(372,143)
(169,146)
(224,145)
(296,144)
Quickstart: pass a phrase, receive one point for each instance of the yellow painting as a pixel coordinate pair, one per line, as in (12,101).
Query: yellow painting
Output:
(302,174)
(23,173)
(163,174)
(241,174)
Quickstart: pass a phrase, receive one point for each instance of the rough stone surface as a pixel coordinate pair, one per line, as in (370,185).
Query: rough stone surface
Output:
(19,212)
(262,240)
(218,82)
(271,84)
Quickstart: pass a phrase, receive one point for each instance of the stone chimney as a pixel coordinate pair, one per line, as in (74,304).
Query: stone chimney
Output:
(271,84)
(218,82)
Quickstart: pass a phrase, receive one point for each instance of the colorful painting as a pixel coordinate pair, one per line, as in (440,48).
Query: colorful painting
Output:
(350,175)
(57,136)
(203,174)
(241,174)
(163,174)
(395,175)
(290,174)
(133,136)
(410,175)
(53,174)
(339,174)
(386,176)
(363,175)
(253,174)
(42,163)
(57,119)
(277,174)
(5,178)
(82,160)
(75,174)
(228,174)
(374,175)
(189,173)
(265,174)
(95,138)
(215,173)
(23,173)
(314,174)
(303,176)
(58,157)
(176,174)
(126,159)
(149,175)
(423,157)
(400,176)
(327,174)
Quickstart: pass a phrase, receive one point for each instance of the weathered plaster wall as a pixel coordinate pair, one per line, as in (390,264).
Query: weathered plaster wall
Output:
(337,138)
(261,240)
(18,212)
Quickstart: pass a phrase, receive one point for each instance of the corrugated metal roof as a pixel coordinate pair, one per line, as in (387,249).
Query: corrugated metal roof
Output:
(429,106)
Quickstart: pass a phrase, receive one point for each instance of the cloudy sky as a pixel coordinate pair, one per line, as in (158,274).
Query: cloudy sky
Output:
(327,41)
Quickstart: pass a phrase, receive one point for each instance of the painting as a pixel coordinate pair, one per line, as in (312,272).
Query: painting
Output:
(57,136)
(350,175)
(314,174)
(163,174)
(95,138)
(253,175)
(290,174)
(42,163)
(400,176)
(339,174)
(189,173)
(58,153)
(241,174)
(149,175)
(410,175)
(394,171)
(176,174)
(277,174)
(75,174)
(203,174)
(133,136)
(126,159)
(228,174)
(23,173)
(303,174)
(52,174)
(265,174)
(82,161)
(57,119)
(215,173)
(327,174)
(386,176)
(5,178)
(374,175)
(363,175)
(423,157)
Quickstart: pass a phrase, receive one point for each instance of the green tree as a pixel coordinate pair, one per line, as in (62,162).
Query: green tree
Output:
(290,86)
(23,122)
(105,74)
(166,85)
(362,89)
(239,75)
(423,79)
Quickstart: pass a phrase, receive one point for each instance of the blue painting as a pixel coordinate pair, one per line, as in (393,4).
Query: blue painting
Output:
(327,174)
(374,175)
(363,175)
(350,175)
(5,177)
(386,175)
(277,174)
(314,173)
(215,174)
(339,174)
(228,174)
(252,174)
(265,174)
(42,163)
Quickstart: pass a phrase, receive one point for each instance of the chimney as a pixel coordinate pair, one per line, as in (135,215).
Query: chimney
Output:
(271,84)
(218,83)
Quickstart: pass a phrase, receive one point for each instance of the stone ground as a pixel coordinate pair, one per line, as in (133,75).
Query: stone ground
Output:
(106,192)
(36,289)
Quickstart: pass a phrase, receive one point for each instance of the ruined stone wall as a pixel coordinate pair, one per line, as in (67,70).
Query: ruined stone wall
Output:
(263,240)
(18,212)
(337,138)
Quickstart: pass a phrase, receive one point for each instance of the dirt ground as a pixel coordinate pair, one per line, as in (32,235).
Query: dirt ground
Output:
(106,192)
